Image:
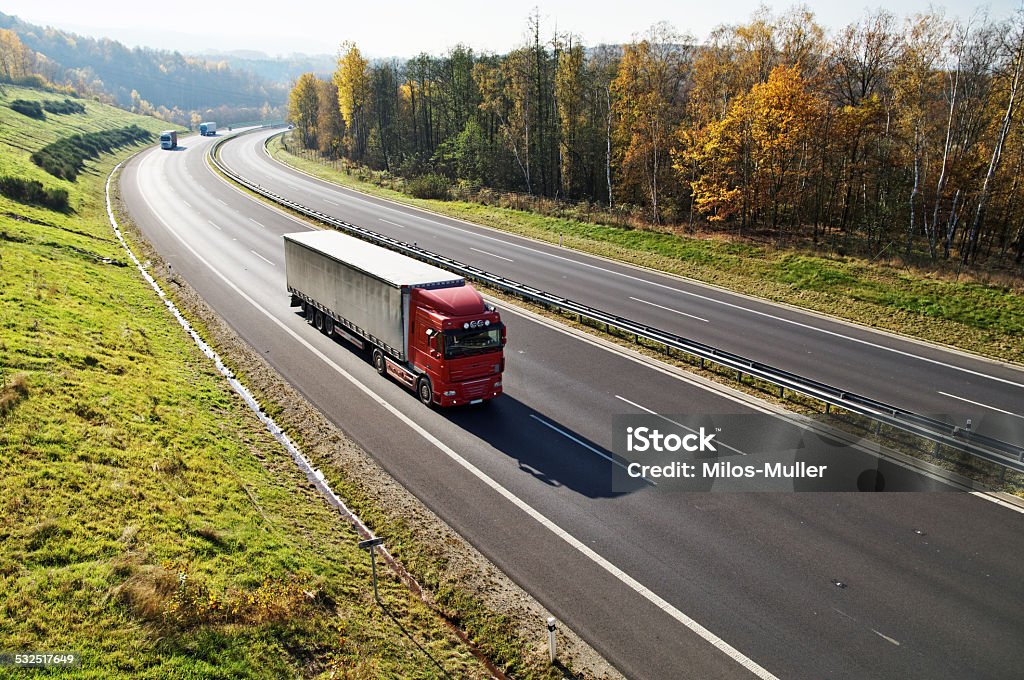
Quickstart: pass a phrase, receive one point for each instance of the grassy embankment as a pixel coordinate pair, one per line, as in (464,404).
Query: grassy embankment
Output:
(147,519)
(970,315)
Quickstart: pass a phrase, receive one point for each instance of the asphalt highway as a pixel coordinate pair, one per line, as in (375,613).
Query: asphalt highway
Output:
(926,379)
(663,583)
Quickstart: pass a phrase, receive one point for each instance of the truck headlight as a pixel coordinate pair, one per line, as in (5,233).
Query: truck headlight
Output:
(497,384)
(450,393)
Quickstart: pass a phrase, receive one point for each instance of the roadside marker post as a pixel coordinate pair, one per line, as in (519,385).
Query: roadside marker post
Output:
(552,642)
(369,546)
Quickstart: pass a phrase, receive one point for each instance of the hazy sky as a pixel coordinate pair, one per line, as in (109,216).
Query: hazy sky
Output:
(406,27)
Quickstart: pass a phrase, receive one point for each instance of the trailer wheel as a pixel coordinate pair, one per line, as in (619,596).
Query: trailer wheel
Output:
(307,311)
(319,321)
(378,362)
(329,326)
(424,391)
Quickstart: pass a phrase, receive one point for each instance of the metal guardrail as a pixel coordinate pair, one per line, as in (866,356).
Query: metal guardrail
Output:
(1010,456)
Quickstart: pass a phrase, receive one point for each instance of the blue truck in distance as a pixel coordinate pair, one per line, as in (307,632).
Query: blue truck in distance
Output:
(169,139)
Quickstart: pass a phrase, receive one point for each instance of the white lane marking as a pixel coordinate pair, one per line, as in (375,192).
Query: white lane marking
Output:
(256,223)
(214,225)
(585,445)
(642,590)
(394,224)
(669,420)
(187,204)
(686,292)
(885,637)
(327,200)
(669,309)
(978,403)
(263,258)
(221,202)
(484,252)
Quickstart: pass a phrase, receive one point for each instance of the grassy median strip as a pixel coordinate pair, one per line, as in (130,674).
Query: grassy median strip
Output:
(148,520)
(974,315)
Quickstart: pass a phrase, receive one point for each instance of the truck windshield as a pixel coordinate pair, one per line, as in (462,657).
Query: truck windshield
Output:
(477,341)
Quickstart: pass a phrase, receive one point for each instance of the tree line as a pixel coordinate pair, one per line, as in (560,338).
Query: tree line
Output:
(889,135)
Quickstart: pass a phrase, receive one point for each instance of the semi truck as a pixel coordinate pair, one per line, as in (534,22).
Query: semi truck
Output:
(208,129)
(169,139)
(425,327)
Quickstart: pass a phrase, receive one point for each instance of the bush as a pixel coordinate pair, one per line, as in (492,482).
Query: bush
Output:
(63,108)
(429,186)
(65,158)
(27,108)
(31,191)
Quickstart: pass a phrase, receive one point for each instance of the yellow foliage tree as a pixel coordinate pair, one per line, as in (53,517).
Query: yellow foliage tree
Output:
(753,162)
(304,108)
(15,59)
(352,79)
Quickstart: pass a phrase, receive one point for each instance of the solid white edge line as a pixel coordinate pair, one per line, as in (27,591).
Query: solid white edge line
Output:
(586,446)
(669,309)
(642,590)
(978,403)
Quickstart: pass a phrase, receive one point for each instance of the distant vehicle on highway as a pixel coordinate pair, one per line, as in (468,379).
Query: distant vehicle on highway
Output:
(169,139)
(208,129)
(426,327)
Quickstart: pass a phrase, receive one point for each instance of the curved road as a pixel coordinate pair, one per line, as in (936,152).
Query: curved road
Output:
(664,584)
(912,375)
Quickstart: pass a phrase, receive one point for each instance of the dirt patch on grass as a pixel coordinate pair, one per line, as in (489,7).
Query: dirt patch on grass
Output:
(13,392)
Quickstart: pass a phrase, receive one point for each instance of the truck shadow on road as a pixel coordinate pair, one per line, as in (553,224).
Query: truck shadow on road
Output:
(543,448)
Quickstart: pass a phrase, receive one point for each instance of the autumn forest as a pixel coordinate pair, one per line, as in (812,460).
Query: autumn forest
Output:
(894,135)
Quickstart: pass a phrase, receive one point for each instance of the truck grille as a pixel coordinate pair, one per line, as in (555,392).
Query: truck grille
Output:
(476,388)
(476,369)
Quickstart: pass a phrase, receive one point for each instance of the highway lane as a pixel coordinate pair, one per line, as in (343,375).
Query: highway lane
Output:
(756,569)
(912,375)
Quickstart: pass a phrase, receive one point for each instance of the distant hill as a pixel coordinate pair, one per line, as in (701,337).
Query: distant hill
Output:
(150,81)
(284,70)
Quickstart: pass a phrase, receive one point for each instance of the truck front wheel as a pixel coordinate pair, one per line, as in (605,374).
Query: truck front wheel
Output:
(378,362)
(425,392)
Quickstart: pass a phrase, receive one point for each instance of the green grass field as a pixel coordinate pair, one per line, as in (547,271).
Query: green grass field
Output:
(147,519)
(976,316)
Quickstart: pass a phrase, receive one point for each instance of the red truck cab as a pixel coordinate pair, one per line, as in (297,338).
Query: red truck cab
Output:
(457,340)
